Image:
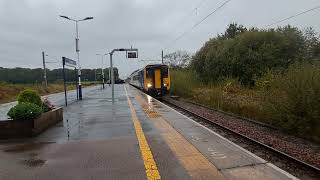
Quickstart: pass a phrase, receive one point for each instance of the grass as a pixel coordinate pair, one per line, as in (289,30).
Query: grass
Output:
(290,100)
(9,92)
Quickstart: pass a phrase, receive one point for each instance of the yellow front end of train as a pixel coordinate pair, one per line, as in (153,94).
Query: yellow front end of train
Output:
(156,79)
(153,79)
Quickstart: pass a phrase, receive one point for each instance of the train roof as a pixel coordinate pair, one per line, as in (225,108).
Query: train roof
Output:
(149,65)
(155,65)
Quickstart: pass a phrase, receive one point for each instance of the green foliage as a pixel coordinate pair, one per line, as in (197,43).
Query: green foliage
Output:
(288,99)
(247,54)
(25,111)
(183,82)
(35,76)
(29,96)
(293,100)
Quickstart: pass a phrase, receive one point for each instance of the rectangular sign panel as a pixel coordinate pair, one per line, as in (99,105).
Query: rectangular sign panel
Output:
(69,62)
(132,54)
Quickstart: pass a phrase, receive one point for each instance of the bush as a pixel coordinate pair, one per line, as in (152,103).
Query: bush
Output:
(25,111)
(248,54)
(183,82)
(29,96)
(293,100)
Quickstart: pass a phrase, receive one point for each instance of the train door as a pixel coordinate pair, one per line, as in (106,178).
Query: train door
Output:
(157,78)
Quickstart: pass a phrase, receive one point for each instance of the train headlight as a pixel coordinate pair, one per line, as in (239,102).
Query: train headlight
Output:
(149,85)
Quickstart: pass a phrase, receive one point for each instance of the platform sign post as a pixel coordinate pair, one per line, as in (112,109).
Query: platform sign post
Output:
(70,63)
(130,53)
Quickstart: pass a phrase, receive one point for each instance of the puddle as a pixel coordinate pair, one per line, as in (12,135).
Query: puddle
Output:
(158,106)
(34,162)
(26,147)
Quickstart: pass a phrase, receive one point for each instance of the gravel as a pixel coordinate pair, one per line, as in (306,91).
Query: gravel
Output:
(297,147)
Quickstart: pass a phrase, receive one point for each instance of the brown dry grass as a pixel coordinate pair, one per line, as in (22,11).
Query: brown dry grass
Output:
(9,92)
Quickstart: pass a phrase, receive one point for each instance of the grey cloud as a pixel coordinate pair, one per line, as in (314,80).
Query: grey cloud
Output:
(30,26)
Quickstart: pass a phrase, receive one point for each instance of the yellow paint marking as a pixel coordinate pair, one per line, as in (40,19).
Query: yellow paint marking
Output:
(149,163)
(197,166)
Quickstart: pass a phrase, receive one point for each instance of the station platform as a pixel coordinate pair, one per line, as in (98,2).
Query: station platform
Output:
(133,137)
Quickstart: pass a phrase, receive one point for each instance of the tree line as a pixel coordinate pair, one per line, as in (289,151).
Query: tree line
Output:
(248,53)
(33,76)
(270,75)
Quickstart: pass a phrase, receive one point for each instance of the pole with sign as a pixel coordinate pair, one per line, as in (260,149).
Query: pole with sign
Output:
(70,63)
(131,53)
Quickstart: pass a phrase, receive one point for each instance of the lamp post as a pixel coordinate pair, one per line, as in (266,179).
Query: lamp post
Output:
(77,50)
(102,71)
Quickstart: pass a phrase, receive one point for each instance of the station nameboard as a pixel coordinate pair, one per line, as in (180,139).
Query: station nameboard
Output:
(69,62)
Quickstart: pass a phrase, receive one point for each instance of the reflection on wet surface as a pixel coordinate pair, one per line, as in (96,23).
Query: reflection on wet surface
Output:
(26,147)
(33,162)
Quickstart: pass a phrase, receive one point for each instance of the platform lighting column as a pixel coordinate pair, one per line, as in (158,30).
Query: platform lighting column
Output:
(78,50)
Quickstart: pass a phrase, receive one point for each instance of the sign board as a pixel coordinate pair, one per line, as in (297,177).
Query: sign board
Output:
(69,62)
(132,54)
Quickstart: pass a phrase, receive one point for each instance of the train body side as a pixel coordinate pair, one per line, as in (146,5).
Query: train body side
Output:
(152,79)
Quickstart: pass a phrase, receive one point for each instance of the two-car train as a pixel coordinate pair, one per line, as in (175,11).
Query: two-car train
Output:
(153,79)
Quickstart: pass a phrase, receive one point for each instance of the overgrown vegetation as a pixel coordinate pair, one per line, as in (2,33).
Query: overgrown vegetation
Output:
(269,75)
(247,54)
(9,92)
(35,76)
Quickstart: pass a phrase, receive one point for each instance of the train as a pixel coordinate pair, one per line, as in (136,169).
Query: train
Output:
(153,79)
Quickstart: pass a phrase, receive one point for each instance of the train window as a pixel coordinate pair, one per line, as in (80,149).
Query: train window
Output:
(149,73)
(165,72)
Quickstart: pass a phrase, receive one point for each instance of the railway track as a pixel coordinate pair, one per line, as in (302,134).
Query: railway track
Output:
(289,163)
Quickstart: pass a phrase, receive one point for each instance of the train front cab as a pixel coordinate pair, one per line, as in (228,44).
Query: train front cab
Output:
(157,80)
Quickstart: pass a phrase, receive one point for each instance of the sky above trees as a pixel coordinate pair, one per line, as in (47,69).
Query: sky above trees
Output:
(31,26)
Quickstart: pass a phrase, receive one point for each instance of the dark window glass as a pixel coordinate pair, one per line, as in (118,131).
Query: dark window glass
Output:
(165,72)
(149,73)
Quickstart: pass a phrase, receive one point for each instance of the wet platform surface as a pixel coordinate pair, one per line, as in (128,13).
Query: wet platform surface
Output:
(134,137)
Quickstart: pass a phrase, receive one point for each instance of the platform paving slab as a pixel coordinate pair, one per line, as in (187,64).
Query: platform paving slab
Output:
(232,160)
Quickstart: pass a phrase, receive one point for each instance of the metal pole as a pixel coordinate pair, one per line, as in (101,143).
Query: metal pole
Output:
(64,82)
(102,71)
(109,75)
(79,66)
(44,70)
(112,79)
(162,56)
(76,80)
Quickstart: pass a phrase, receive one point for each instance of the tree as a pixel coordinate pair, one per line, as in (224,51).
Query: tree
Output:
(247,54)
(30,76)
(312,44)
(178,59)
(233,30)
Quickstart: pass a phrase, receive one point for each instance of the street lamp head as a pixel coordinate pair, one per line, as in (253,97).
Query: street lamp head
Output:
(87,18)
(64,17)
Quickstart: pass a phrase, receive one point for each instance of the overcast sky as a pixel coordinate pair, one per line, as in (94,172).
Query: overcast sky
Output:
(28,27)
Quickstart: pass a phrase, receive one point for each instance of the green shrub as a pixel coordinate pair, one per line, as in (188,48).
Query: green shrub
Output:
(293,100)
(25,111)
(29,96)
(183,82)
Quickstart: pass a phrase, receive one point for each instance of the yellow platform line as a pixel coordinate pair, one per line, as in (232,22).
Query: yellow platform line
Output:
(149,162)
(196,165)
